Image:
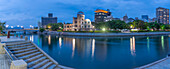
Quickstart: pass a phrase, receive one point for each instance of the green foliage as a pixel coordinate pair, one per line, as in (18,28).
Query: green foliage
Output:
(55,26)
(42,29)
(136,24)
(2,26)
(115,24)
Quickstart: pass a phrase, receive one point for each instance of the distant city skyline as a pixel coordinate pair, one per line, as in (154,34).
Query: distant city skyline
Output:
(29,12)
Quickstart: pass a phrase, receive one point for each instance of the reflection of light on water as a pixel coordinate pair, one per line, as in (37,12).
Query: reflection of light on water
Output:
(93,47)
(132,46)
(32,38)
(148,43)
(38,41)
(49,39)
(73,48)
(162,41)
(60,42)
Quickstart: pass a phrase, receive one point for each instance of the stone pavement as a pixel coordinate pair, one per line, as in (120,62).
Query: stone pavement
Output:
(5,39)
(160,64)
(4,61)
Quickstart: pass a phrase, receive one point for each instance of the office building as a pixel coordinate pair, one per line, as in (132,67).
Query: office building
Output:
(145,18)
(125,18)
(101,15)
(162,15)
(46,20)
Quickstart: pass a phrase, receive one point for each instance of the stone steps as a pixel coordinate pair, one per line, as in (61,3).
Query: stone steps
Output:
(21,48)
(20,43)
(34,58)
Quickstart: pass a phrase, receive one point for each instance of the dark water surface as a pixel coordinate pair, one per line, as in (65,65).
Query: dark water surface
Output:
(103,53)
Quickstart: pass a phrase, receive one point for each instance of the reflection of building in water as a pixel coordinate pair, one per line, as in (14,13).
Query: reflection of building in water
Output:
(132,46)
(162,42)
(73,48)
(32,38)
(60,41)
(49,39)
(93,47)
(101,49)
(148,43)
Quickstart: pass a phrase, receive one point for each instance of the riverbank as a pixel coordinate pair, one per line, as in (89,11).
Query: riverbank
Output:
(160,64)
(112,34)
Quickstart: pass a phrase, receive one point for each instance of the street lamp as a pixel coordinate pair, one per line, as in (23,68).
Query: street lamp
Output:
(104,29)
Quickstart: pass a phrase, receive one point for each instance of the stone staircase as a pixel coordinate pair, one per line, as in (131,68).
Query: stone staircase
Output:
(32,55)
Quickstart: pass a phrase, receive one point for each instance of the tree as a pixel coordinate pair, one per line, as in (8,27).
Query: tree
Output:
(2,26)
(42,29)
(55,26)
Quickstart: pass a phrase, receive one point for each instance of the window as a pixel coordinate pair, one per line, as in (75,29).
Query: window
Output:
(89,26)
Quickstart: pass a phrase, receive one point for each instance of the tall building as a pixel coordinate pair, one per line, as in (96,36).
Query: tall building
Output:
(125,18)
(81,24)
(152,20)
(101,15)
(136,18)
(145,18)
(46,20)
(162,15)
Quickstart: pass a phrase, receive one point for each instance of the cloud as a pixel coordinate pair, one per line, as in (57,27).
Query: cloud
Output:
(31,11)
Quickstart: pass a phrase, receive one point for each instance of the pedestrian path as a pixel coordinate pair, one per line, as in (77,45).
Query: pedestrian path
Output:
(4,61)
(160,64)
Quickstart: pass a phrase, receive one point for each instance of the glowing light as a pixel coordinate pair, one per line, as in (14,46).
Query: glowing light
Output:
(22,26)
(32,38)
(148,43)
(7,26)
(49,39)
(17,25)
(93,47)
(73,48)
(60,42)
(162,41)
(104,29)
(132,46)
(101,11)
(12,26)
(49,27)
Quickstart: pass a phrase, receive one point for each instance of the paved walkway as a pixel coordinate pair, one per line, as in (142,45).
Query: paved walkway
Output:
(5,39)
(4,61)
(160,64)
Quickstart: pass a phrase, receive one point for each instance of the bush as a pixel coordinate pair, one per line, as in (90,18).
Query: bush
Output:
(42,29)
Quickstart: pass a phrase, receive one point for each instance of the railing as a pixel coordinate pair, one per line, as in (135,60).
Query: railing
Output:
(11,56)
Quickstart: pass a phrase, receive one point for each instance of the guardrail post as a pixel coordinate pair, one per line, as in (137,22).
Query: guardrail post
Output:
(26,38)
(18,64)
(2,51)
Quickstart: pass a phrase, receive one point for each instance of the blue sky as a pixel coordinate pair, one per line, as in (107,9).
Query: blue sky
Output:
(29,12)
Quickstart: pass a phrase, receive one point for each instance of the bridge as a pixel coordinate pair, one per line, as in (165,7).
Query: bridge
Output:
(25,31)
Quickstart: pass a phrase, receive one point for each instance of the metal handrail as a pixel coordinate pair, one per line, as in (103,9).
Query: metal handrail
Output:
(11,56)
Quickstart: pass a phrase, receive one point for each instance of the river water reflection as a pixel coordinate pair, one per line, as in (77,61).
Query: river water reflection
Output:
(102,53)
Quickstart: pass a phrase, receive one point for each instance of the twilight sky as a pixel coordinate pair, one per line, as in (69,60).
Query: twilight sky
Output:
(29,12)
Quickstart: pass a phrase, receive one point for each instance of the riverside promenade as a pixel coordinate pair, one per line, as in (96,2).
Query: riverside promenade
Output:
(160,64)
(4,58)
(113,34)
(24,54)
